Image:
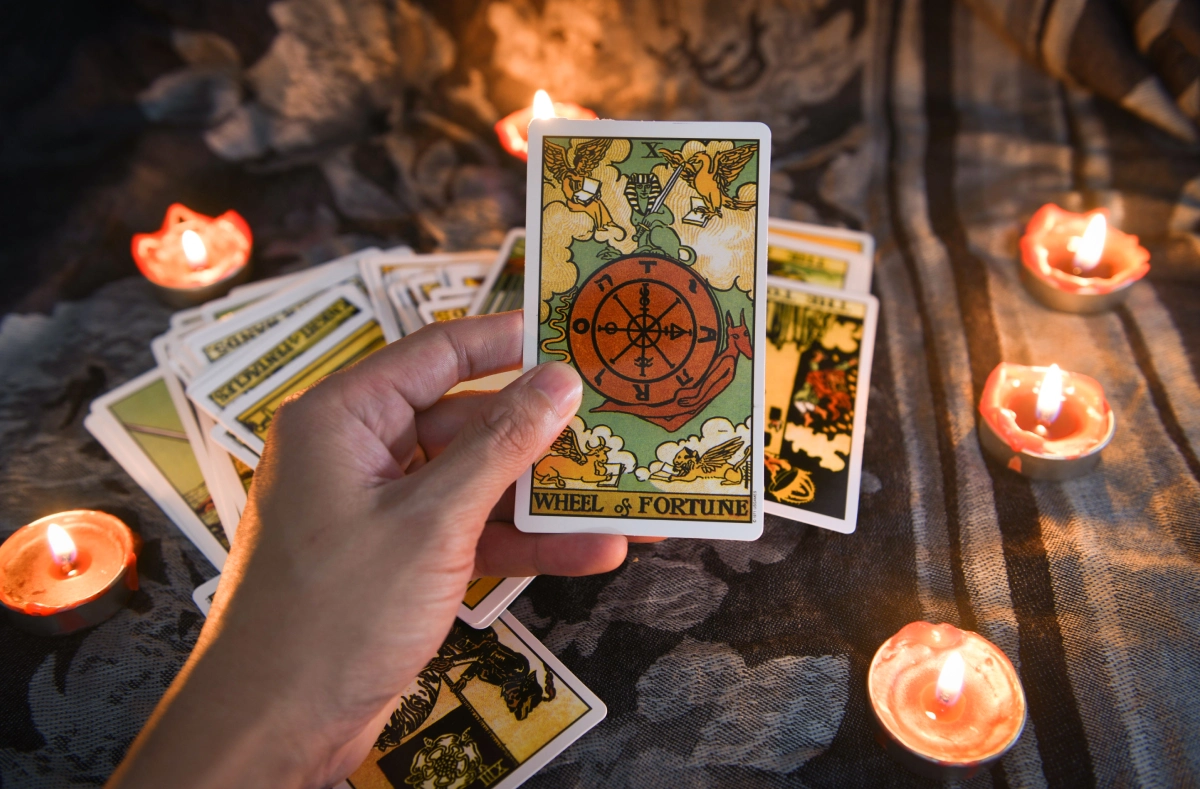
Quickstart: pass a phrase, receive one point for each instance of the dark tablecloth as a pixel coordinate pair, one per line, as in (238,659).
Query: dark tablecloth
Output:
(722,664)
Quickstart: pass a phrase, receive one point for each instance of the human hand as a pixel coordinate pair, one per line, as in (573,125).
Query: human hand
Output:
(375,503)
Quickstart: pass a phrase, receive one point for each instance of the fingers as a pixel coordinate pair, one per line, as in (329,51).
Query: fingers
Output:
(505,551)
(504,438)
(440,423)
(410,375)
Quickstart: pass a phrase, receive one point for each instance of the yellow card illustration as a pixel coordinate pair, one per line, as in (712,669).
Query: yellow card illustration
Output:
(490,710)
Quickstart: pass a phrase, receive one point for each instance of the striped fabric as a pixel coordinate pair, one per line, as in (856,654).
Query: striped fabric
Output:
(1142,54)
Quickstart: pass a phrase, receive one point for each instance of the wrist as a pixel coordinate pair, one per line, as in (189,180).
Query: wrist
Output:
(221,724)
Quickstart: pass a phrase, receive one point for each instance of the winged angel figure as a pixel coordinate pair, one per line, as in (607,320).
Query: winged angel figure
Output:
(577,178)
(712,175)
(715,463)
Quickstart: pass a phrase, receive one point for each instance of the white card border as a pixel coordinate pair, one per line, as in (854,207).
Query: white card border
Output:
(107,429)
(510,240)
(858,435)
(858,273)
(810,228)
(557,127)
(495,603)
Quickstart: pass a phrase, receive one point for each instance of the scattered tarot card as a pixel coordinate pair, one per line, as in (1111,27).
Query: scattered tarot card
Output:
(829,267)
(653,286)
(490,710)
(444,309)
(138,424)
(230,443)
(818,353)
(503,287)
(244,389)
(203,594)
(214,342)
(834,237)
(487,598)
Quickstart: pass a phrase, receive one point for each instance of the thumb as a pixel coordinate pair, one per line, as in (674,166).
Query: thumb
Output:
(506,436)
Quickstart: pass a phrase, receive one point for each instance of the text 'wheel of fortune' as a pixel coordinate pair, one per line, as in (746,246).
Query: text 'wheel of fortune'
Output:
(642,327)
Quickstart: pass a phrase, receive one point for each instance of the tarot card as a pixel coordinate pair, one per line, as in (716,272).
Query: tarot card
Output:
(446,309)
(384,271)
(818,352)
(243,390)
(203,595)
(139,426)
(422,284)
(183,406)
(213,342)
(652,285)
(467,275)
(829,267)
(503,288)
(834,237)
(230,443)
(487,598)
(490,710)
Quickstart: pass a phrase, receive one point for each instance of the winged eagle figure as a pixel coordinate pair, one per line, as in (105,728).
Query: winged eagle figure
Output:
(711,175)
(577,178)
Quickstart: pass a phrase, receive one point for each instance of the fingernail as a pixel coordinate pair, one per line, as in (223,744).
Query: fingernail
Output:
(561,385)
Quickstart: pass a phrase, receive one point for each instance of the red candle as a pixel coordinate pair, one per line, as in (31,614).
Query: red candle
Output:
(67,571)
(1076,263)
(1043,422)
(194,258)
(513,130)
(948,701)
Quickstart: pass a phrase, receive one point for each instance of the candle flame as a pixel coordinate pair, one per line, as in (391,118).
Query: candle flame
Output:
(1050,399)
(950,679)
(543,107)
(62,547)
(1090,247)
(194,249)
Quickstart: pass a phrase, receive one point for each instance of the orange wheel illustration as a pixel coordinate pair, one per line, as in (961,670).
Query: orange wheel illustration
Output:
(642,327)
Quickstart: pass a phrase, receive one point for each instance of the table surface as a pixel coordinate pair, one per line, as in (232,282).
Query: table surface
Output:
(723,663)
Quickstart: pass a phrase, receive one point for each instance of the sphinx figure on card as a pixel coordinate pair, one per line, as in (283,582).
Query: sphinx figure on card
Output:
(648,258)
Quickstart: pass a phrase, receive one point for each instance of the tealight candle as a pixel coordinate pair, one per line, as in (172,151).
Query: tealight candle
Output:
(513,130)
(1043,422)
(67,571)
(948,701)
(194,258)
(1077,263)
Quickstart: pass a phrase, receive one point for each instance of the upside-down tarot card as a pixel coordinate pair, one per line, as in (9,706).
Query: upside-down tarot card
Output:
(646,271)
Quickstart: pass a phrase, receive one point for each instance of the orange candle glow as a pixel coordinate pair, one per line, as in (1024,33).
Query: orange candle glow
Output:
(67,571)
(513,130)
(948,700)
(1077,263)
(1043,422)
(193,258)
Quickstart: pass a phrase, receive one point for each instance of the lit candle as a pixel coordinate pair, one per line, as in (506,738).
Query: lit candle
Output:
(513,130)
(194,258)
(67,571)
(948,701)
(1043,422)
(1076,263)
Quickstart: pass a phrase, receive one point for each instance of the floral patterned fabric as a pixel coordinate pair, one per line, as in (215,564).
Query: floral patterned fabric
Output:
(347,122)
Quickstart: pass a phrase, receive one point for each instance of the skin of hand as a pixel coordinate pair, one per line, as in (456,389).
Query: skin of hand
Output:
(376,501)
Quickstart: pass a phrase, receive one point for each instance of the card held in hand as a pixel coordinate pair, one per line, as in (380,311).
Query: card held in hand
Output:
(490,710)
(646,271)
(818,351)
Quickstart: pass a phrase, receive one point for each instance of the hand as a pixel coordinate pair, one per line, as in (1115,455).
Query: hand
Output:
(377,500)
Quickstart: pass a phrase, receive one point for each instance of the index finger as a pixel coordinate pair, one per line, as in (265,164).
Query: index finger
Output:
(384,390)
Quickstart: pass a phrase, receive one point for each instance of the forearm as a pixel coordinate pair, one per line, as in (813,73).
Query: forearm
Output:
(218,725)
